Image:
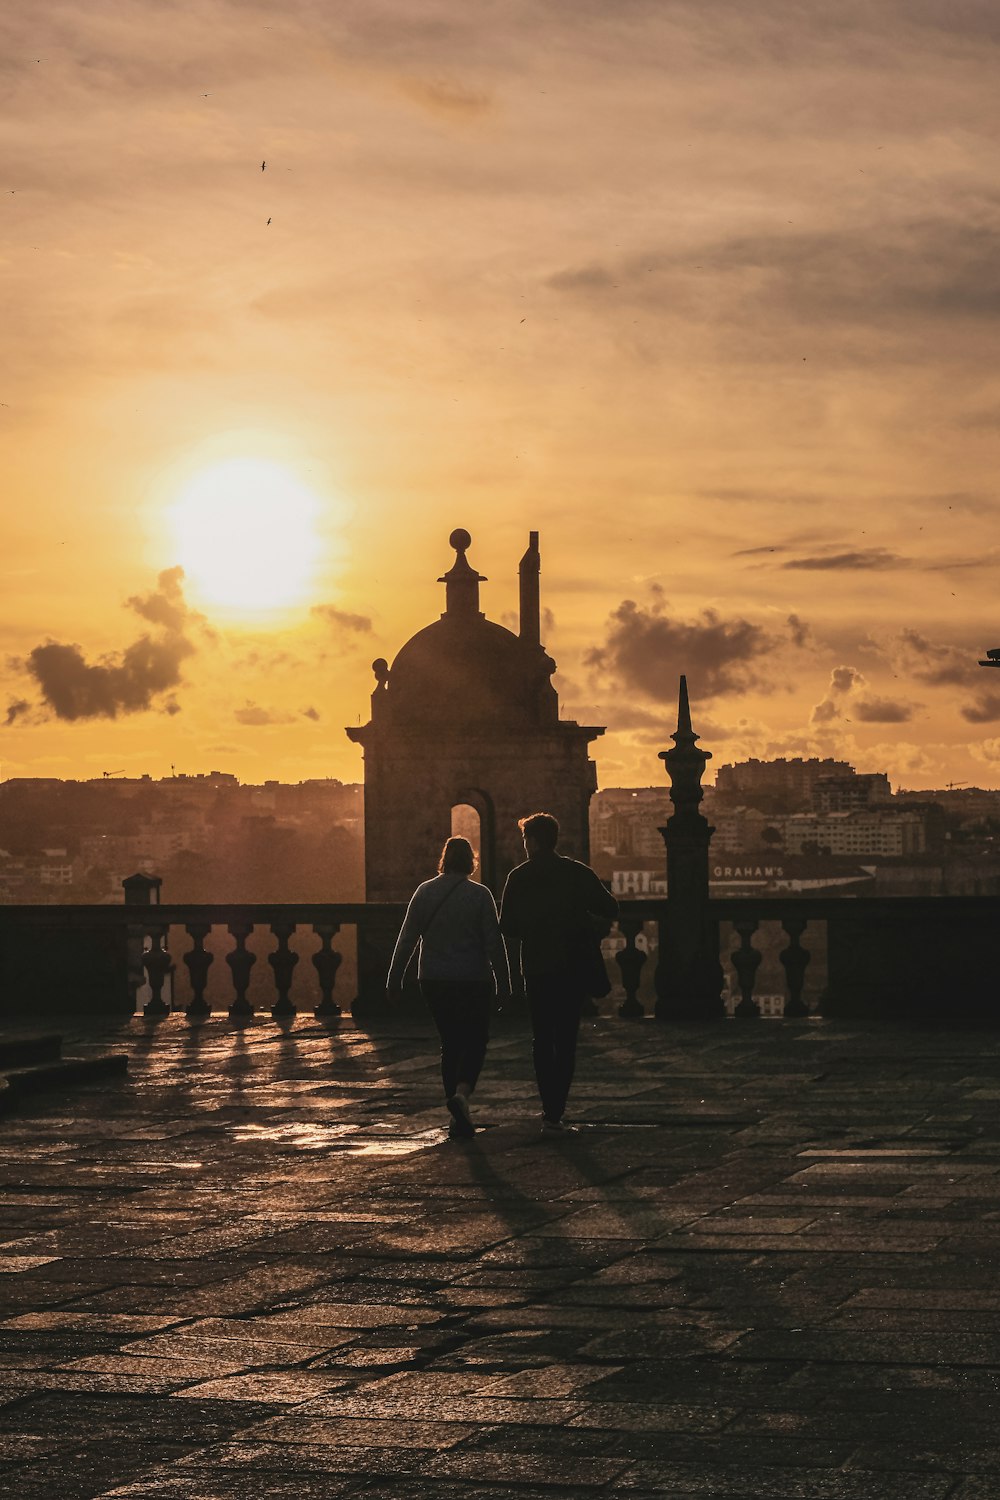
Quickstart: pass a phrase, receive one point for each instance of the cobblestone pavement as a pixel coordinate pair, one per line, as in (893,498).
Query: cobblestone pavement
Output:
(764,1266)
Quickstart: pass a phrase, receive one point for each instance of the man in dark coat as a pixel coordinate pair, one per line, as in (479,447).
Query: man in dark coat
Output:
(554,908)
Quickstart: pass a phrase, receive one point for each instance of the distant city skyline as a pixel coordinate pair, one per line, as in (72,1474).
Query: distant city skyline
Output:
(706,295)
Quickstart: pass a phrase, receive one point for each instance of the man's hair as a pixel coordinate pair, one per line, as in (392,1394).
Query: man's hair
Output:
(457,858)
(542,827)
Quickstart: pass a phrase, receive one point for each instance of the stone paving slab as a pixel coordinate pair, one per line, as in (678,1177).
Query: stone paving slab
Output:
(765,1265)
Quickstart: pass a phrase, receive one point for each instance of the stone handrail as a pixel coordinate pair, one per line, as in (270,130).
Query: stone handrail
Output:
(887,957)
(96,958)
(921,958)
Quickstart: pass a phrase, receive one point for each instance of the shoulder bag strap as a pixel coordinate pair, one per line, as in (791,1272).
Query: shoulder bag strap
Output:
(433,916)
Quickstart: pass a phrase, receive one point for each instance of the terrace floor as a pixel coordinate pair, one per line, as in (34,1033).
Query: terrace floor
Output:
(765,1266)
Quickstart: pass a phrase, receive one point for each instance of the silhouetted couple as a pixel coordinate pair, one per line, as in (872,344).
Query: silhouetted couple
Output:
(553,910)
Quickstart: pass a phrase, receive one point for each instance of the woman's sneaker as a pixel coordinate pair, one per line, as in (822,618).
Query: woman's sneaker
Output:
(458,1108)
(556,1127)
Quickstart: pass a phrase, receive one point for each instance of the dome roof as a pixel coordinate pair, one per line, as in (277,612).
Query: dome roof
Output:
(467,669)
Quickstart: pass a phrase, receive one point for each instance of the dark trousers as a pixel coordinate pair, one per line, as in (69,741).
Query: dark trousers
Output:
(555,1002)
(461,1011)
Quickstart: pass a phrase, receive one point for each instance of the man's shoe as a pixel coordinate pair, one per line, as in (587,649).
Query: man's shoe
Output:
(556,1127)
(458,1108)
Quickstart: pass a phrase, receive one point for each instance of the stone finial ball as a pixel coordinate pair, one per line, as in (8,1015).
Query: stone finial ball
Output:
(460,540)
(380,667)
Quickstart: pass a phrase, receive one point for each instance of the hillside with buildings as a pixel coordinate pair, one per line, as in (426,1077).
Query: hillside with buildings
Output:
(812,826)
(807,826)
(209,837)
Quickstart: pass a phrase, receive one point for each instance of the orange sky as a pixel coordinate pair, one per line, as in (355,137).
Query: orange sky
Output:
(707,294)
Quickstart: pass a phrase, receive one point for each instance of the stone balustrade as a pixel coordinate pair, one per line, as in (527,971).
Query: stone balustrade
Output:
(884,958)
(922,959)
(102,960)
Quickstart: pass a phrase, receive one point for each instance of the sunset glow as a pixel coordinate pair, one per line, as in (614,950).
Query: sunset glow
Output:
(245,535)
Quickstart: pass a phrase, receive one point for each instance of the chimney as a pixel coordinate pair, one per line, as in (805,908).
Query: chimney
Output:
(531,565)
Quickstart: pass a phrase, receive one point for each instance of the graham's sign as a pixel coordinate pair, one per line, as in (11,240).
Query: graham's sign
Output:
(748,872)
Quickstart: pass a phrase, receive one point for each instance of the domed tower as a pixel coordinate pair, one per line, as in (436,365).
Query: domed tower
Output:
(467,717)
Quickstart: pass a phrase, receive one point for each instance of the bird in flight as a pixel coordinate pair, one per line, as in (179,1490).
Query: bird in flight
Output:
(263,165)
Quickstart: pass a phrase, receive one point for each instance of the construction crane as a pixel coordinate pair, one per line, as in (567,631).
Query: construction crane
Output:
(106,774)
(951,786)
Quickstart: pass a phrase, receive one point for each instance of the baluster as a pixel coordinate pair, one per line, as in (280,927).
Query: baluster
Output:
(198,962)
(135,942)
(630,961)
(282,962)
(795,960)
(240,963)
(326,962)
(157,963)
(746,961)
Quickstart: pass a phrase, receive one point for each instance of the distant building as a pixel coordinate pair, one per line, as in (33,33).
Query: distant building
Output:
(889,833)
(627,820)
(853,793)
(782,784)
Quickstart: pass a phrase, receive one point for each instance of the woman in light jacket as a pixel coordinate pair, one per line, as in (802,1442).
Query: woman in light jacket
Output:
(462,968)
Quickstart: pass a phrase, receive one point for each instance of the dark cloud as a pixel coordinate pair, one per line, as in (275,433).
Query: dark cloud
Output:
(123,682)
(311,713)
(843,680)
(988,557)
(166,606)
(647,650)
(342,621)
(16,709)
(824,712)
(872,557)
(986,709)
(757,551)
(882,711)
(936,664)
(904,276)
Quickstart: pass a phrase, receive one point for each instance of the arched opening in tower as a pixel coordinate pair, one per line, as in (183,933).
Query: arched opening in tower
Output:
(467,824)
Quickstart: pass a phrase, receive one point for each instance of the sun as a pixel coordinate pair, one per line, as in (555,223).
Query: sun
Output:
(246,536)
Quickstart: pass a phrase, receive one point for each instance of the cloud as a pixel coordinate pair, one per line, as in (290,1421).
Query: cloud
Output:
(165,606)
(253,714)
(987,751)
(986,709)
(873,557)
(800,630)
(646,649)
(16,709)
(845,686)
(342,621)
(897,272)
(122,682)
(445,98)
(938,664)
(843,680)
(882,711)
(311,713)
